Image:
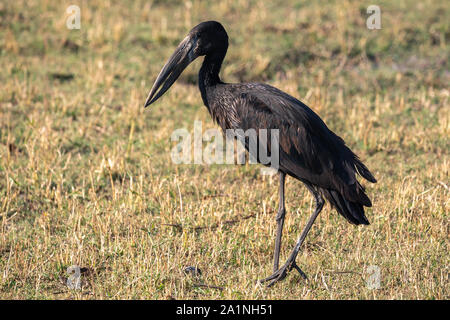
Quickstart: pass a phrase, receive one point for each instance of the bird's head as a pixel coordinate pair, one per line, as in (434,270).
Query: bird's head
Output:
(204,39)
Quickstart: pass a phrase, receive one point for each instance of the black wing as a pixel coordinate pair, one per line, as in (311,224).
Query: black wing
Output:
(309,151)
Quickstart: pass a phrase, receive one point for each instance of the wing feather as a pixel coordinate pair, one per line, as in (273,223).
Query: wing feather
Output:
(309,151)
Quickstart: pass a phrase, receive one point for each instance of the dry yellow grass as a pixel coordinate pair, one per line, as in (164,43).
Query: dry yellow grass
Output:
(86,176)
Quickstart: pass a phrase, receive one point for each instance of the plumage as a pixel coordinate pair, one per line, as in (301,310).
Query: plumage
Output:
(308,150)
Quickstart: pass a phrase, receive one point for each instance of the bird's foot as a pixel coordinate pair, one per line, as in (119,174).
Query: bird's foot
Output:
(282,272)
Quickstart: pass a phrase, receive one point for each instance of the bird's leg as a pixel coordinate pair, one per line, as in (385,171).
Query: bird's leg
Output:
(280,222)
(290,264)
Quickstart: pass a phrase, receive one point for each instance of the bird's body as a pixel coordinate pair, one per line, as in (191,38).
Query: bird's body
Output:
(308,150)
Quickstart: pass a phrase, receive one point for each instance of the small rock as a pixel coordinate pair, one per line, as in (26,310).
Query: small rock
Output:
(193,271)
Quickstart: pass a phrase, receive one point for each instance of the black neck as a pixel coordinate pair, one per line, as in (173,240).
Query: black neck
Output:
(209,72)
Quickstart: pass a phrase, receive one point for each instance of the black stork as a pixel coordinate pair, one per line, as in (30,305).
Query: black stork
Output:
(308,150)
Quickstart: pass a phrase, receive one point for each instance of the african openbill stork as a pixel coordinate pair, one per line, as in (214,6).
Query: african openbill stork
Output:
(308,150)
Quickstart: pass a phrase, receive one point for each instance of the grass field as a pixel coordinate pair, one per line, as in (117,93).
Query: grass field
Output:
(86,176)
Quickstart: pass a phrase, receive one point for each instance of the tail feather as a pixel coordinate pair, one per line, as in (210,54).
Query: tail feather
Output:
(363,170)
(352,211)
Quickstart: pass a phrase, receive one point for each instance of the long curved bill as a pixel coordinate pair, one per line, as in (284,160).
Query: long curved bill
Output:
(180,59)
